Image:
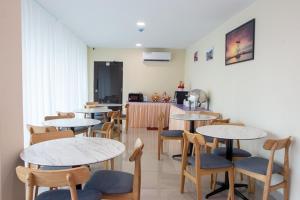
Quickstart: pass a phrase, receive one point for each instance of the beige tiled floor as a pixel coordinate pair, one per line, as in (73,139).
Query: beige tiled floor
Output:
(160,179)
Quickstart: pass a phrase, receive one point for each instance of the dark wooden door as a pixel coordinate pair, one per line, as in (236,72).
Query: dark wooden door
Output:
(108,82)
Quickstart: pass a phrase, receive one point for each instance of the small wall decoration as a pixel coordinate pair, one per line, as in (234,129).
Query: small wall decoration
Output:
(196,56)
(210,54)
(240,43)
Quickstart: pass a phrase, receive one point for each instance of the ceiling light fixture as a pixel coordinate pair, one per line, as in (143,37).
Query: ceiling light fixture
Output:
(138,44)
(141,26)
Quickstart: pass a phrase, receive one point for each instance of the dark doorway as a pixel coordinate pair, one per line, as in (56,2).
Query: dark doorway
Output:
(108,82)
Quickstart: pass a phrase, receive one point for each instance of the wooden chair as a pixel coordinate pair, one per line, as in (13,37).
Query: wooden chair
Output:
(115,117)
(39,129)
(127,117)
(238,153)
(42,137)
(262,169)
(119,185)
(58,178)
(166,135)
(203,164)
(106,132)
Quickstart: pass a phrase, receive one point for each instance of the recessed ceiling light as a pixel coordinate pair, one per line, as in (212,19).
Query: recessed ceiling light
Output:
(138,44)
(140,24)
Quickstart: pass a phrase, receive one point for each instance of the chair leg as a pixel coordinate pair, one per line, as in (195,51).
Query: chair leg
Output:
(112,164)
(158,147)
(286,190)
(162,146)
(181,143)
(231,185)
(36,192)
(198,187)
(182,182)
(241,177)
(213,181)
(266,190)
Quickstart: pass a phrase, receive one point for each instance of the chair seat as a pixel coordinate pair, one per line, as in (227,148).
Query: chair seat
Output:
(211,139)
(257,164)
(172,133)
(110,182)
(65,195)
(221,151)
(53,168)
(80,129)
(97,127)
(211,161)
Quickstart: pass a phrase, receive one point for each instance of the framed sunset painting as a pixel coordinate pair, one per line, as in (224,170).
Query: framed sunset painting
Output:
(240,43)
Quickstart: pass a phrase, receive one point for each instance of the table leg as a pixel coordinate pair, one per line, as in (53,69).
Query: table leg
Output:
(93,115)
(225,185)
(192,130)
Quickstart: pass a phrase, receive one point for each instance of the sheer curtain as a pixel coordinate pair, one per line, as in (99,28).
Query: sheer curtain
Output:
(54,66)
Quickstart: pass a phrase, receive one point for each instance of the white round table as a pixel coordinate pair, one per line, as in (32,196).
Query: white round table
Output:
(71,122)
(75,151)
(230,133)
(192,118)
(93,111)
(109,105)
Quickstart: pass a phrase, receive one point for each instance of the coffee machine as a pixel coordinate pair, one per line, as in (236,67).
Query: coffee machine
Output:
(180,96)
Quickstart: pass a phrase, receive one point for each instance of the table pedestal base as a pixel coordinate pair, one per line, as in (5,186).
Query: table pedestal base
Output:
(225,186)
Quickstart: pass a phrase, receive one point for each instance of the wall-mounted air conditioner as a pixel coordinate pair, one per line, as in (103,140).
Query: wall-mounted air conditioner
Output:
(157,56)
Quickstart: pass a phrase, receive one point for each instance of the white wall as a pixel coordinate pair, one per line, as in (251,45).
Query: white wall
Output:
(11,133)
(139,76)
(264,92)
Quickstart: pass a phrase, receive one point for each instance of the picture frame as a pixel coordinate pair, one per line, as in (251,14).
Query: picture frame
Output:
(240,43)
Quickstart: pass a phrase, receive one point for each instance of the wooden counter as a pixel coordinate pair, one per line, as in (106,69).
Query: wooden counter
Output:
(145,114)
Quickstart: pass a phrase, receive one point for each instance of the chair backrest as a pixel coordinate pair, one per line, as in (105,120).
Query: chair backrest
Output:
(66,114)
(136,157)
(42,137)
(52,178)
(115,116)
(220,121)
(197,140)
(275,145)
(56,117)
(107,129)
(40,129)
(91,103)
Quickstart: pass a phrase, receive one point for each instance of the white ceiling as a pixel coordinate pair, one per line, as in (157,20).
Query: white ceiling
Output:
(169,23)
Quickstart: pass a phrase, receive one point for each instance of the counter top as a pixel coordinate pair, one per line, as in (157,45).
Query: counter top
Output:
(187,109)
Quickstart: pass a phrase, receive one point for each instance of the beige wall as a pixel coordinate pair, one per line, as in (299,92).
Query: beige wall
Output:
(264,92)
(11,138)
(139,76)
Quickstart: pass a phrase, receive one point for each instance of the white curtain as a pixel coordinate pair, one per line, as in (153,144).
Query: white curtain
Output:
(54,66)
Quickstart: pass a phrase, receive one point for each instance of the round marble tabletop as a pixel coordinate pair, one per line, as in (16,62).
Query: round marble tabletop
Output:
(109,105)
(192,117)
(93,110)
(72,151)
(71,122)
(232,132)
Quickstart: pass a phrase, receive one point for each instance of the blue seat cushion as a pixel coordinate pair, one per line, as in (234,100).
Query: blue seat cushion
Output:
(172,133)
(258,165)
(211,139)
(210,161)
(79,129)
(65,195)
(221,151)
(53,168)
(110,182)
(97,127)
